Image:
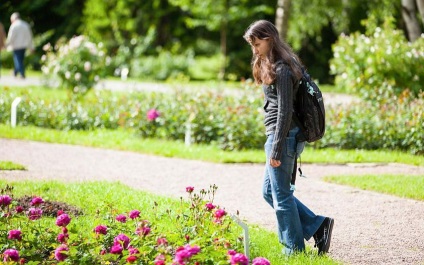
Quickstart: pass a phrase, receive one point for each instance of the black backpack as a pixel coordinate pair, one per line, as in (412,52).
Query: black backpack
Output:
(309,115)
(309,111)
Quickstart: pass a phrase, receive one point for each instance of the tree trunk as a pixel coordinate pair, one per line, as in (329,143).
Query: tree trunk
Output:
(409,14)
(420,5)
(282,17)
(223,32)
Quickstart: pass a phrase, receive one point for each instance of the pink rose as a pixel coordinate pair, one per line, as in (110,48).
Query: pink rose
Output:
(239,259)
(101,229)
(183,254)
(162,241)
(116,249)
(261,261)
(19,209)
(193,249)
(232,252)
(152,114)
(63,220)
(209,206)
(160,260)
(121,218)
(34,213)
(144,231)
(189,189)
(36,201)
(10,255)
(220,213)
(134,214)
(122,239)
(15,234)
(61,252)
(61,238)
(131,259)
(133,250)
(5,200)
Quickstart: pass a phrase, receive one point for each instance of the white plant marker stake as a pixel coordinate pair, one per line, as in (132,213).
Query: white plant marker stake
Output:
(13,115)
(187,138)
(124,73)
(246,234)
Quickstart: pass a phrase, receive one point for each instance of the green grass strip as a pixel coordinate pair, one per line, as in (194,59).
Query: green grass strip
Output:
(130,141)
(399,185)
(9,165)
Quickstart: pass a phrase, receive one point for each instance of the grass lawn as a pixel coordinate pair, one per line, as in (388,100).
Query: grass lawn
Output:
(399,185)
(8,165)
(98,198)
(130,141)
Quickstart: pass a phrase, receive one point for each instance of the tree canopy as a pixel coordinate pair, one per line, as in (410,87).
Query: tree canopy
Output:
(208,27)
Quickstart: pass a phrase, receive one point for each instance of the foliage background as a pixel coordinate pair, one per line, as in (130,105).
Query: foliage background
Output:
(132,30)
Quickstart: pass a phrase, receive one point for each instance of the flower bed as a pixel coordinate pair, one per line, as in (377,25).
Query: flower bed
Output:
(205,234)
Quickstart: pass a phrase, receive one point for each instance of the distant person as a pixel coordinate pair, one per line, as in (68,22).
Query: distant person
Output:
(2,41)
(2,37)
(278,69)
(19,39)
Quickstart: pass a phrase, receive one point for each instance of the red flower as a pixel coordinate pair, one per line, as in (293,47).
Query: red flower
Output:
(131,259)
(19,209)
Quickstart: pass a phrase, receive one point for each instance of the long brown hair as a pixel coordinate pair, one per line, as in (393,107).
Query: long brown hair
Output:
(264,69)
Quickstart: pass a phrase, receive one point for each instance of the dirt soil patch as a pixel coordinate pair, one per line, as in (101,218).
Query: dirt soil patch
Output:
(49,208)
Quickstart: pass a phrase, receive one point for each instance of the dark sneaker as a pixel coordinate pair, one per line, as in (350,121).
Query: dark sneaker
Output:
(323,236)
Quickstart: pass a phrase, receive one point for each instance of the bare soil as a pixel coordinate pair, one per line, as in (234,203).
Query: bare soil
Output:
(370,228)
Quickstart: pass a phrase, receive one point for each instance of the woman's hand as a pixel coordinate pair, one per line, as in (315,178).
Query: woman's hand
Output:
(274,163)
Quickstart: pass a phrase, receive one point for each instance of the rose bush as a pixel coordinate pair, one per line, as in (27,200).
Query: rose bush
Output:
(379,65)
(79,64)
(205,234)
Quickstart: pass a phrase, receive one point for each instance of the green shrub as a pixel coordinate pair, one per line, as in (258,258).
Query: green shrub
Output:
(379,65)
(232,122)
(212,117)
(163,66)
(206,67)
(78,64)
(395,125)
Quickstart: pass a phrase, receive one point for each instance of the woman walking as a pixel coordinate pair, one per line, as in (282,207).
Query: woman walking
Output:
(278,69)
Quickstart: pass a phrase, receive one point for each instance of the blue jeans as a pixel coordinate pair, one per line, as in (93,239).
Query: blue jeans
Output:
(18,61)
(295,221)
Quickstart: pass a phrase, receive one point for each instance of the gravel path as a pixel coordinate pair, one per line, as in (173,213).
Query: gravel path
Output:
(370,228)
(129,85)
